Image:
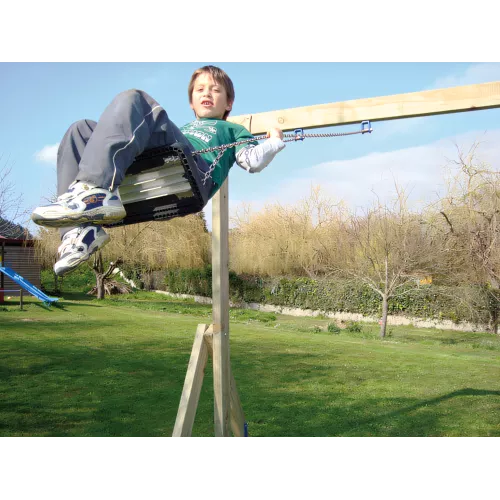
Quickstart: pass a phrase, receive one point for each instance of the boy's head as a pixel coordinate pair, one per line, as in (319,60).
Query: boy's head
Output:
(211,93)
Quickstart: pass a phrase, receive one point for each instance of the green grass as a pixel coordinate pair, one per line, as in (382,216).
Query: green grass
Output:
(117,367)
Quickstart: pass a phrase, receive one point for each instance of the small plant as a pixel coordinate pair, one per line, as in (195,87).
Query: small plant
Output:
(354,327)
(316,329)
(333,328)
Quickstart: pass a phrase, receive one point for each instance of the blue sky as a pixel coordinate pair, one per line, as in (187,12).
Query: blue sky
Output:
(40,100)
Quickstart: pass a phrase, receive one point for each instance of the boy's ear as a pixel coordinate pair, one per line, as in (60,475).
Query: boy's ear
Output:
(229,106)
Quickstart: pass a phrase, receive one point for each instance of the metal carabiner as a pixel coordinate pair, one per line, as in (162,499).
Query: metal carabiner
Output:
(298,131)
(368,129)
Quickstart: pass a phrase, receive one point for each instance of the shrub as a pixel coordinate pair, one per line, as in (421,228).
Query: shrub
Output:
(354,327)
(333,328)
(338,295)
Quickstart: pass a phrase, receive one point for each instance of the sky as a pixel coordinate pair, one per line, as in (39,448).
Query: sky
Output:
(40,100)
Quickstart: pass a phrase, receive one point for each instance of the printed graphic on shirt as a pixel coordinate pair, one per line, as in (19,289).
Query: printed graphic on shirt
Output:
(213,132)
(201,130)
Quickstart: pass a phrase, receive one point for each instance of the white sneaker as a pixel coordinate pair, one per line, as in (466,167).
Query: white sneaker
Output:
(82,203)
(77,246)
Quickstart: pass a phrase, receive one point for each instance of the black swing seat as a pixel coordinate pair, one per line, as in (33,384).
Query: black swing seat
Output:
(161,184)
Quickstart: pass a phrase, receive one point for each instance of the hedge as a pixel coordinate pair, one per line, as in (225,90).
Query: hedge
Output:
(465,303)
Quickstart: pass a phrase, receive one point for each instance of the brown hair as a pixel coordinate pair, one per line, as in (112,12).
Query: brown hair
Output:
(221,77)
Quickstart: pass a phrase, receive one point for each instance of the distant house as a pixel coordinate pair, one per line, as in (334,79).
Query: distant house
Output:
(19,255)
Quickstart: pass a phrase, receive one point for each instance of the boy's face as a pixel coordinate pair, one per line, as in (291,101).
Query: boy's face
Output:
(209,98)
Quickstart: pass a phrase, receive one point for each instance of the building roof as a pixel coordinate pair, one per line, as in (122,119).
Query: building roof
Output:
(16,241)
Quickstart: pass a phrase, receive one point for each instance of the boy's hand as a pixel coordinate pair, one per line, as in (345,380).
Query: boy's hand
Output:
(275,132)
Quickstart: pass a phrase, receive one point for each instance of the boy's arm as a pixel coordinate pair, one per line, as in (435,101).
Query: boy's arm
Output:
(255,158)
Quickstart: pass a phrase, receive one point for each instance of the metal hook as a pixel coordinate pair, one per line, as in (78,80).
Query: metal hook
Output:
(298,131)
(368,125)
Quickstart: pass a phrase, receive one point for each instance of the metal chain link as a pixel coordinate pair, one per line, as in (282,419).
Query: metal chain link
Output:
(286,138)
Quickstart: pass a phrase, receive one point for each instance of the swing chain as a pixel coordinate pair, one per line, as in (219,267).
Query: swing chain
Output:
(298,135)
(208,174)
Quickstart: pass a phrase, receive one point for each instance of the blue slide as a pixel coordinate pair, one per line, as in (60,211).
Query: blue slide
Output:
(27,285)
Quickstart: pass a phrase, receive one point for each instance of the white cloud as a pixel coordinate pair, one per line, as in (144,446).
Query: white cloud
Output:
(476,73)
(406,126)
(419,170)
(48,154)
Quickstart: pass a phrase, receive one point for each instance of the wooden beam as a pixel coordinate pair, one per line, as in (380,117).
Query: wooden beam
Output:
(425,103)
(220,309)
(192,385)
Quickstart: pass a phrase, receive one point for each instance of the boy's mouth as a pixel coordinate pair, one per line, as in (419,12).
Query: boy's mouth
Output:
(206,103)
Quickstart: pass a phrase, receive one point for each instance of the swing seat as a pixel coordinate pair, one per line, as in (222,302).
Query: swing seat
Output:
(161,184)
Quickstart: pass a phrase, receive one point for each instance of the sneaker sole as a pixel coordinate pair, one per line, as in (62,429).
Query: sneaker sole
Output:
(94,216)
(76,263)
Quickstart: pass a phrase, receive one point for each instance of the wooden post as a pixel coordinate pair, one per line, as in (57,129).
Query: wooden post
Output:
(220,310)
(192,385)
(237,417)
(21,299)
(214,341)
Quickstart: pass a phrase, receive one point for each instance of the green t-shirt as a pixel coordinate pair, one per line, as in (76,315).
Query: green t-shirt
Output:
(208,132)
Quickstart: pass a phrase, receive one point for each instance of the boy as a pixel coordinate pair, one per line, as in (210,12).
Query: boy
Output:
(93,158)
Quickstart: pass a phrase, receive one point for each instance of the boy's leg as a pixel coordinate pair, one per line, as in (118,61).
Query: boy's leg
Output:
(133,122)
(70,153)
(69,156)
(78,243)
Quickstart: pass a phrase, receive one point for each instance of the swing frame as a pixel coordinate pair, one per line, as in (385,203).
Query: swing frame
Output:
(213,340)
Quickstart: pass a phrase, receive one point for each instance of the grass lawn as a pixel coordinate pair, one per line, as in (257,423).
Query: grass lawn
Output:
(117,367)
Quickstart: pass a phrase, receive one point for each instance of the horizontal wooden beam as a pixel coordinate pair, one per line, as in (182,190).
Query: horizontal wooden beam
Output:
(425,103)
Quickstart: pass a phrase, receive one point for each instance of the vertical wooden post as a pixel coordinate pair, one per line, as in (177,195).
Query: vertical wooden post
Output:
(21,299)
(214,341)
(220,310)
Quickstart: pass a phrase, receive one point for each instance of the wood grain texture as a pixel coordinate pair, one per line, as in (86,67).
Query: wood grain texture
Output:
(425,103)
(220,309)
(192,385)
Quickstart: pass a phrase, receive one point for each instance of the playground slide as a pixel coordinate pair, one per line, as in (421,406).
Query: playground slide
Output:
(27,285)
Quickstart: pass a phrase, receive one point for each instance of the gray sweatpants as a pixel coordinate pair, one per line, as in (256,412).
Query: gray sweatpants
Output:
(101,152)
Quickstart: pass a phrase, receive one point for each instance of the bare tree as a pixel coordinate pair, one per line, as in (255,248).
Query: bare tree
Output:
(286,239)
(468,221)
(101,275)
(10,202)
(385,248)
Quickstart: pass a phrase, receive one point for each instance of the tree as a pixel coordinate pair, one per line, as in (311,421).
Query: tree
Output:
(10,205)
(286,239)
(468,222)
(101,275)
(180,242)
(384,247)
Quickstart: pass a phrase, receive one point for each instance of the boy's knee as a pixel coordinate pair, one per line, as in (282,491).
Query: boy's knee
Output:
(129,95)
(83,127)
(133,97)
